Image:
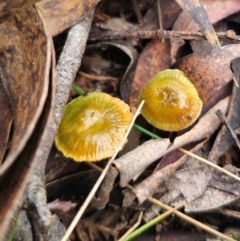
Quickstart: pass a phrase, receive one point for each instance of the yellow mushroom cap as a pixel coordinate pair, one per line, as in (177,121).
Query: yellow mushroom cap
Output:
(172,102)
(92,127)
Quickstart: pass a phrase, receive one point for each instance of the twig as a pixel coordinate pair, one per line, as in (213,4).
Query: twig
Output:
(137,11)
(190,154)
(181,215)
(160,17)
(100,179)
(225,121)
(133,227)
(187,35)
(191,220)
(68,64)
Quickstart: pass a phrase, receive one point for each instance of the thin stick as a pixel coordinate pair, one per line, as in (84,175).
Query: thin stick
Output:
(181,215)
(210,164)
(137,11)
(224,120)
(191,220)
(190,154)
(151,223)
(160,17)
(100,179)
(187,35)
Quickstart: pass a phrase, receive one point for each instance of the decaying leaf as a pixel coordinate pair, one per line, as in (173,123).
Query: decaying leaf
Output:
(221,191)
(169,10)
(224,139)
(63,14)
(25,61)
(126,79)
(209,74)
(205,127)
(198,13)
(154,58)
(216,11)
(169,179)
(19,65)
(5,123)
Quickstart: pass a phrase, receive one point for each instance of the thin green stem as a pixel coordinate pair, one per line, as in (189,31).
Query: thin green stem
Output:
(149,133)
(78,90)
(150,224)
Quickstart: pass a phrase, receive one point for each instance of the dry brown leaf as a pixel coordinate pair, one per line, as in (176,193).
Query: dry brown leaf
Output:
(154,58)
(209,74)
(131,165)
(9,7)
(216,11)
(163,177)
(224,140)
(20,65)
(6,107)
(25,52)
(58,15)
(199,15)
(216,195)
(170,11)
(103,195)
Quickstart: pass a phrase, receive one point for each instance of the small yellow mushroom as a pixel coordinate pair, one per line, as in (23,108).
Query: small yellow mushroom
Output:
(172,102)
(92,127)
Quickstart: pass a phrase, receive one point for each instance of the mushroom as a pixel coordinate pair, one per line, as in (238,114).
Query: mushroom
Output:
(172,102)
(92,127)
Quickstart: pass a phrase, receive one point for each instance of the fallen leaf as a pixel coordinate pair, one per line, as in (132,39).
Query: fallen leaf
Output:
(28,97)
(216,11)
(6,107)
(154,58)
(224,139)
(205,127)
(162,177)
(210,73)
(132,54)
(59,15)
(25,65)
(199,15)
(169,10)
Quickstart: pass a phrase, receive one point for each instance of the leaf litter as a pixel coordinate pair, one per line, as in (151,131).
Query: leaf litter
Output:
(179,180)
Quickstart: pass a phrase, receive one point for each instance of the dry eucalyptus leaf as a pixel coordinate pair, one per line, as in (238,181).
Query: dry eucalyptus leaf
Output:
(132,54)
(216,10)
(58,15)
(211,199)
(149,64)
(169,11)
(224,140)
(154,210)
(210,73)
(193,177)
(131,165)
(199,15)
(25,71)
(9,7)
(162,177)
(25,76)
(107,185)
(6,107)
